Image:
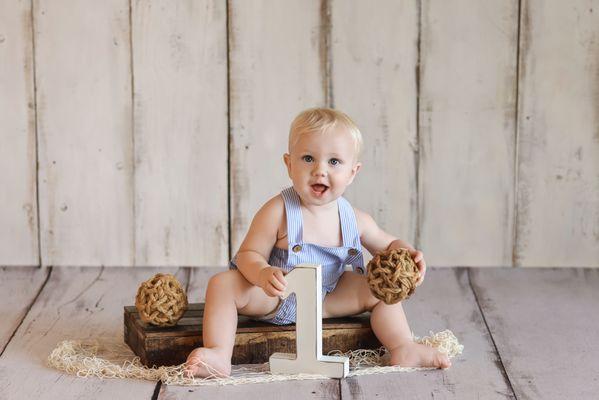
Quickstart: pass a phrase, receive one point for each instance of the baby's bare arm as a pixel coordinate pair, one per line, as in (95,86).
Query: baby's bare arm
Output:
(258,243)
(373,238)
(377,240)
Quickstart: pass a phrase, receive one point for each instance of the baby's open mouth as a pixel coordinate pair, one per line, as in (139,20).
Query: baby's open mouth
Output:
(319,188)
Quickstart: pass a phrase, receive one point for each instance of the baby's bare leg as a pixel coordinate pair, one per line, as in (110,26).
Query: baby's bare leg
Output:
(352,296)
(228,292)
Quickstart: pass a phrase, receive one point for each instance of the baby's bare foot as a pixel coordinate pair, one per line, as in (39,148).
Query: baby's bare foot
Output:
(418,355)
(217,363)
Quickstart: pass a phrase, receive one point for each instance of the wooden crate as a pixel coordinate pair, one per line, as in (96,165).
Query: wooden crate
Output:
(254,343)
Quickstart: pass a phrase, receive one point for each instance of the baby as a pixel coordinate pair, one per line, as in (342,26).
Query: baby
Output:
(309,222)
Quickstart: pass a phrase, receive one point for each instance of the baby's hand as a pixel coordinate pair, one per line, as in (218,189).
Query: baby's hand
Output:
(418,258)
(272,281)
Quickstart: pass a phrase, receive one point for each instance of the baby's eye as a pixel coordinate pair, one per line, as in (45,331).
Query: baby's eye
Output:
(334,161)
(308,158)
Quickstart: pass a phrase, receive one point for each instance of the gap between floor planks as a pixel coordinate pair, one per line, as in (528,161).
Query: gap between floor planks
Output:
(489,293)
(196,291)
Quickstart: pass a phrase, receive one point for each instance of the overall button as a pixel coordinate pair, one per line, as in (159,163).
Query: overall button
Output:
(360,270)
(352,252)
(296,248)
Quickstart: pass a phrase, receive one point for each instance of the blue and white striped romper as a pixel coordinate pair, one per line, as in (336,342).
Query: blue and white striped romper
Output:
(332,259)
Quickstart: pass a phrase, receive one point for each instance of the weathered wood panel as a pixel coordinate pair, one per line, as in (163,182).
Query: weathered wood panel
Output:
(84,128)
(373,73)
(181,137)
(544,323)
(292,390)
(467,131)
(444,301)
(558,145)
(18,204)
(76,303)
(277,69)
(19,287)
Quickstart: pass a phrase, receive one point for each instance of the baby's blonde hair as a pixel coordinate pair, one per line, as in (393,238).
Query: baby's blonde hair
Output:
(323,120)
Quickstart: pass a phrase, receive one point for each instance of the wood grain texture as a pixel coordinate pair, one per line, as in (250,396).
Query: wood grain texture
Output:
(18,203)
(540,320)
(558,144)
(544,323)
(254,342)
(467,131)
(444,301)
(373,73)
(76,303)
(292,390)
(84,125)
(180,110)
(276,71)
(19,288)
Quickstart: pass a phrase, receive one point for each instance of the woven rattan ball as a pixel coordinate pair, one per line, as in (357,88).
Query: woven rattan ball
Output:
(161,300)
(392,275)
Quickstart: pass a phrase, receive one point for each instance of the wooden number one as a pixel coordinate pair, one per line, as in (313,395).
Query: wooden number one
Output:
(305,280)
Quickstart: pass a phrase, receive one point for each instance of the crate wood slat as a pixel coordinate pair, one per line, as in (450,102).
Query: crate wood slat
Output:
(544,323)
(254,343)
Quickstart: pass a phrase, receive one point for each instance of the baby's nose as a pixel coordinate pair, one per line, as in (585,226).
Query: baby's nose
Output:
(319,170)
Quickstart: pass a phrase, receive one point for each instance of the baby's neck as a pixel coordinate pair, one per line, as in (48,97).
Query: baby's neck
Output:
(320,209)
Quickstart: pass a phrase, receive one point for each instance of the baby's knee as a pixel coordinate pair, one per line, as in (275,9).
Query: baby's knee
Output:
(228,283)
(225,280)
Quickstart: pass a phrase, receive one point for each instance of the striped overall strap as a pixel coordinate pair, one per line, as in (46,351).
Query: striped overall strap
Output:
(293,212)
(349,225)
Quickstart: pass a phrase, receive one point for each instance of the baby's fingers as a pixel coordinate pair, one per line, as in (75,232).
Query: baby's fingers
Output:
(271,291)
(276,283)
(422,270)
(281,278)
(417,256)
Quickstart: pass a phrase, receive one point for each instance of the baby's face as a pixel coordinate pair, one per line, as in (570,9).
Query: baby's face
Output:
(321,166)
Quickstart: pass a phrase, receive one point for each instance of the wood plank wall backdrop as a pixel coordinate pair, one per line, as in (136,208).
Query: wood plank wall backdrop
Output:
(148,133)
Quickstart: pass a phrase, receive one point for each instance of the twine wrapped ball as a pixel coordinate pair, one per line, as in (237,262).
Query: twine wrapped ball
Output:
(161,300)
(392,275)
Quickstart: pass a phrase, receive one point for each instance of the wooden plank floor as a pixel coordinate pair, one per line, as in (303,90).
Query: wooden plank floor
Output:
(19,288)
(528,333)
(545,325)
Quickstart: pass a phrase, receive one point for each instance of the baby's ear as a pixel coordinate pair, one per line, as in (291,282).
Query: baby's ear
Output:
(354,171)
(287,161)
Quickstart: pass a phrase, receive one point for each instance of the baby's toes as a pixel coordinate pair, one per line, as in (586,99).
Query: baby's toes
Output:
(442,361)
(192,366)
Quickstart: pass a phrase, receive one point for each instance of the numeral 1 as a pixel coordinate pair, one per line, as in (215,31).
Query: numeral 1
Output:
(305,280)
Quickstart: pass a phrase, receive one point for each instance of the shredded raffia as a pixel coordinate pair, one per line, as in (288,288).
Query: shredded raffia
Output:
(111,358)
